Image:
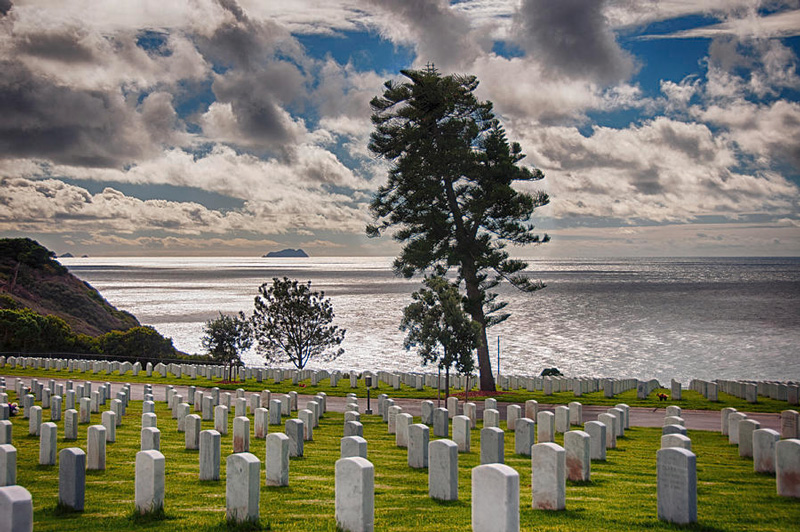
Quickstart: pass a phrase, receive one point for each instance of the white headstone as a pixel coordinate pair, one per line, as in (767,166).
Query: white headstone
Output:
(577,445)
(545,422)
(352,446)
(443,470)
(441,423)
(6,429)
(210,454)
(724,414)
(426,409)
(242,487)
(241,434)
(471,411)
(295,430)
(71,424)
(677,485)
(787,467)
(492,446)
(610,422)
(96,447)
(524,436)
(261,422)
(34,420)
(8,464)
(575,413)
(491,418)
(307,417)
(676,440)
(150,475)
(597,432)
(746,429)
(16,509)
(109,421)
(452,407)
(513,413)
(48,443)
(151,439)
(495,498)
(674,420)
(462,427)
(277,459)
(562,418)
(72,478)
(192,434)
(790,424)
(548,476)
(531,409)
(733,426)
(764,441)
(402,422)
(221,419)
(418,438)
(355,494)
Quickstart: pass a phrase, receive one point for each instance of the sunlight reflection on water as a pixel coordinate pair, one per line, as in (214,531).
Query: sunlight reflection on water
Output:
(643,318)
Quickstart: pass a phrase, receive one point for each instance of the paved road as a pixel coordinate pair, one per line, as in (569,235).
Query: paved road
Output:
(640,417)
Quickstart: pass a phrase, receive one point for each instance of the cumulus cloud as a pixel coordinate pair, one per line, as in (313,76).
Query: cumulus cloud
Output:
(441,35)
(80,127)
(222,96)
(52,206)
(766,132)
(573,38)
(661,171)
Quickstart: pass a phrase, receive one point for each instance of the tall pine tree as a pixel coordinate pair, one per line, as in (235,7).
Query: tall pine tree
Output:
(449,195)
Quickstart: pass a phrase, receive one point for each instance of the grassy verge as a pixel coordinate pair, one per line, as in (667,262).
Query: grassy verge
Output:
(691,400)
(620,497)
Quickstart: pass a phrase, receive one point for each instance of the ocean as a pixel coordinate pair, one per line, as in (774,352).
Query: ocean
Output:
(729,318)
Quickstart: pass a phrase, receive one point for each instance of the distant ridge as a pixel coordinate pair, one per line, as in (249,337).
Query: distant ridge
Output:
(291,253)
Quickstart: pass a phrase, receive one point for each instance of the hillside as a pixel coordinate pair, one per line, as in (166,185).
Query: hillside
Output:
(32,278)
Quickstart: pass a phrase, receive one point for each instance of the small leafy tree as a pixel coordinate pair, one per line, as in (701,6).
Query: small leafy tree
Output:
(440,329)
(292,323)
(226,337)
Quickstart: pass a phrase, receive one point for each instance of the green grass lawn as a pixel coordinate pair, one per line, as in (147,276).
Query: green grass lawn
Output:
(621,495)
(691,400)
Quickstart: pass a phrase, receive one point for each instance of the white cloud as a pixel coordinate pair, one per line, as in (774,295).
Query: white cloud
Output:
(776,25)
(52,206)
(661,171)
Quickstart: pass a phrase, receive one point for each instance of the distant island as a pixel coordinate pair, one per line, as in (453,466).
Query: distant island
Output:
(66,256)
(291,253)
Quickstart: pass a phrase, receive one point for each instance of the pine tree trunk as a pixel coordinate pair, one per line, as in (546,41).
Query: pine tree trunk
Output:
(476,311)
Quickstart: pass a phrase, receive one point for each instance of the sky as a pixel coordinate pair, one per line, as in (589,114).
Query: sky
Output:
(236,127)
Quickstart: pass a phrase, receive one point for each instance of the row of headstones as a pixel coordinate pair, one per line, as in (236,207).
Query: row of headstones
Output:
(709,390)
(242,485)
(772,452)
(16,505)
(73,461)
(495,487)
(243,468)
(193,371)
(751,390)
(547,385)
